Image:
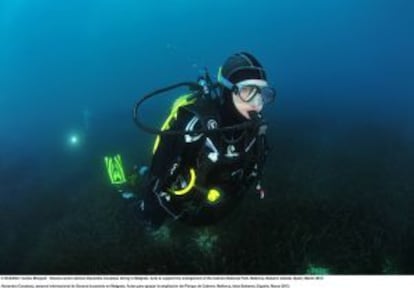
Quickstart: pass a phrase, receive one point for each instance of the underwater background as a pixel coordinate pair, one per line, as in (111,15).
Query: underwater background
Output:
(339,178)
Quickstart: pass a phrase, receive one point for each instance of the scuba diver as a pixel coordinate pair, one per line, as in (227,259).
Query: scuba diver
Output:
(211,149)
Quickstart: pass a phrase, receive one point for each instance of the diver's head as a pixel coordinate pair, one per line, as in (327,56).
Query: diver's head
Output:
(245,83)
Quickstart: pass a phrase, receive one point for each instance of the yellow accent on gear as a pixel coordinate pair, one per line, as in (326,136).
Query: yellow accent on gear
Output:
(213,195)
(181,101)
(189,186)
(115,169)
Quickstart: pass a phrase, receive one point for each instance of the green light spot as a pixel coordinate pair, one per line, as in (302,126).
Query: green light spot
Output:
(206,241)
(74,139)
(388,267)
(162,235)
(317,270)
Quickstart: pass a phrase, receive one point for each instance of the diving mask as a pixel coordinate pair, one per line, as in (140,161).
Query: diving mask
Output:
(248,90)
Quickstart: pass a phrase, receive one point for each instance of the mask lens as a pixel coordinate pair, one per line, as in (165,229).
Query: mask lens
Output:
(247,93)
(268,95)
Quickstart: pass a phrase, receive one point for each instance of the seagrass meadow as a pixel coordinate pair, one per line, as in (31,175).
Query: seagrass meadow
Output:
(339,175)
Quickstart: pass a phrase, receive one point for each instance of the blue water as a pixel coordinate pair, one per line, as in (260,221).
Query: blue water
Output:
(342,125)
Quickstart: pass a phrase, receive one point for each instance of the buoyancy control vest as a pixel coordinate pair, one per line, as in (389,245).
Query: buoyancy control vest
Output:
(214,170)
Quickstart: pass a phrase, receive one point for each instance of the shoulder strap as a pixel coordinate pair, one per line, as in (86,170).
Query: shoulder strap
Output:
(206,112)
(180,102)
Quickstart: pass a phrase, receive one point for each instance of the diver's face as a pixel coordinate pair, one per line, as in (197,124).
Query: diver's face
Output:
(244,107)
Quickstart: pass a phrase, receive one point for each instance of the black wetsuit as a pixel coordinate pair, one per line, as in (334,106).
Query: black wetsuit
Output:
(229,163)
